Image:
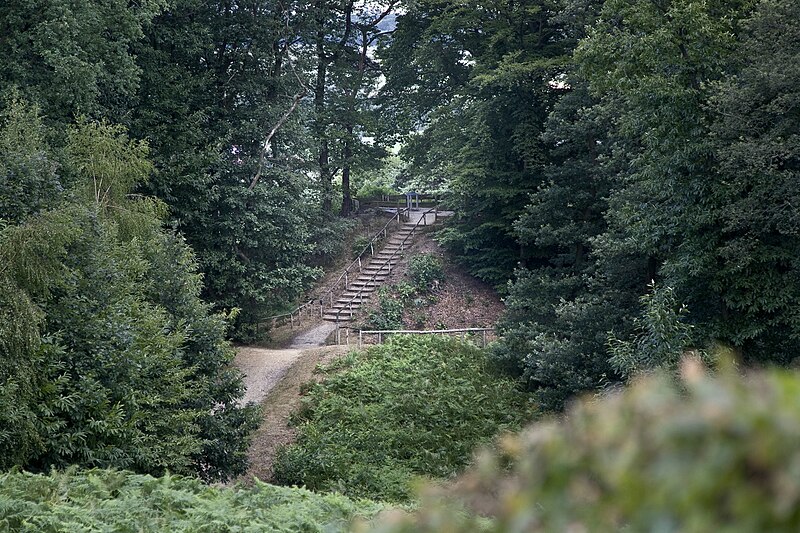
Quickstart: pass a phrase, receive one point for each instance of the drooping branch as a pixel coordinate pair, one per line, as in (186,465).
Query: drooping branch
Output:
(265,147)
(262,160)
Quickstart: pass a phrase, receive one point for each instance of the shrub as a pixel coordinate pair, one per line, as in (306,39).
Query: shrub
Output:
(108,500)
(359,243)
(373,191)
(716,454)
(424,269)
(388,315)
(411,407)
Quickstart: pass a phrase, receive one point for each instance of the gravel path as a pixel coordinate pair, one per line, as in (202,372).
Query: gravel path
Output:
(264,368)
(314,337)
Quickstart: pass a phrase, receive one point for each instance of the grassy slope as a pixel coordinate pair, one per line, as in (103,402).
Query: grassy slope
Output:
(412,407)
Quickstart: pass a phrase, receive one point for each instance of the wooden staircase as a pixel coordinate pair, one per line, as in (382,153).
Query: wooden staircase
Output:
(371,276)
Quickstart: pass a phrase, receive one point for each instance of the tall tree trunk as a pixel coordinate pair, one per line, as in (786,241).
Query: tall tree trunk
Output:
(323,159)
(347,200)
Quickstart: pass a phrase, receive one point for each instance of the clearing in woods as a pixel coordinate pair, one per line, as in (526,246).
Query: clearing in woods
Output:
(273,376)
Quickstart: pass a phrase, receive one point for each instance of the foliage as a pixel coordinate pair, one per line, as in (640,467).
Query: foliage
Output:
(73,57)
(110,500)
(651,457)
(425,269)
(327,238)
(414,406)
(216,78)
(388,315)
(109,357)
(29,178)
(470,107)
(661,336)
(757,148)
(374,191)
(360,243)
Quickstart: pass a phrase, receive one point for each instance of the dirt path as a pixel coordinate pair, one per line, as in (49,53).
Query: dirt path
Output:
(278,404)
(263,369)
(272,379)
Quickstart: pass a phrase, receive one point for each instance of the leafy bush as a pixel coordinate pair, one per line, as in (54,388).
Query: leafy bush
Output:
(326,237)
(359,243)
(108,500)
(660,336)
(717,454)
(413,406)
(108,357)
(373,191)
(424,269)
(388,315)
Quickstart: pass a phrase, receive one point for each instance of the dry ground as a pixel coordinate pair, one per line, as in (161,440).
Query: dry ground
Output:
(278,403)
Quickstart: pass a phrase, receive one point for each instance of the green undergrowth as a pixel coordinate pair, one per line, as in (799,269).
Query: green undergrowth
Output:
(109,500)
(412,407)
(426,272)
(714,453)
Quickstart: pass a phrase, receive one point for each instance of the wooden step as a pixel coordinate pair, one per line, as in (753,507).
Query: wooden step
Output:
(370,280)
(367,291)
(371,271)
(343,317)
(354,299)
(345,307)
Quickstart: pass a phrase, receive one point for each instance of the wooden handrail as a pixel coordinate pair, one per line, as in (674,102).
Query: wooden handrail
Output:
(345,274)
(387,262)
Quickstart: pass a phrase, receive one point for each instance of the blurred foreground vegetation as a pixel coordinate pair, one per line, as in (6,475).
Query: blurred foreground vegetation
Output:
(710,454)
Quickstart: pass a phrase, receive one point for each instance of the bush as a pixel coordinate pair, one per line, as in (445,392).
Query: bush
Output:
(373,191)
(414,406)
(388,315)
(108,356)
(716,454)
(108,500)
(424,269)
(326,238)
(359,244)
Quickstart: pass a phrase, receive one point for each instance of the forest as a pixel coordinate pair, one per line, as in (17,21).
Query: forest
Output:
(625,174)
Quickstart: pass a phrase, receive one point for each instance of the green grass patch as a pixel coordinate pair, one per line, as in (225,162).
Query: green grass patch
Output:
(416,406)
(109,500)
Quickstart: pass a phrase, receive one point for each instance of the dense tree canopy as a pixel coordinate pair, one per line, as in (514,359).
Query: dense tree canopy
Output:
(591,148)
(624,171)
(109,358)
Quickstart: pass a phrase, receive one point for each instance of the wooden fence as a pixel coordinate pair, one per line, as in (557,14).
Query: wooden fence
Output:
(381,335)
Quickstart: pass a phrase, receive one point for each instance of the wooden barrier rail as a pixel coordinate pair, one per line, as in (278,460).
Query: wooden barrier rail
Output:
(380,334)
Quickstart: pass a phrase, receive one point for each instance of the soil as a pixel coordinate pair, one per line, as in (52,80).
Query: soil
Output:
(278,404)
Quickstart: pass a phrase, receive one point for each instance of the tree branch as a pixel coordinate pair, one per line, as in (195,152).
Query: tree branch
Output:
(265,147)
